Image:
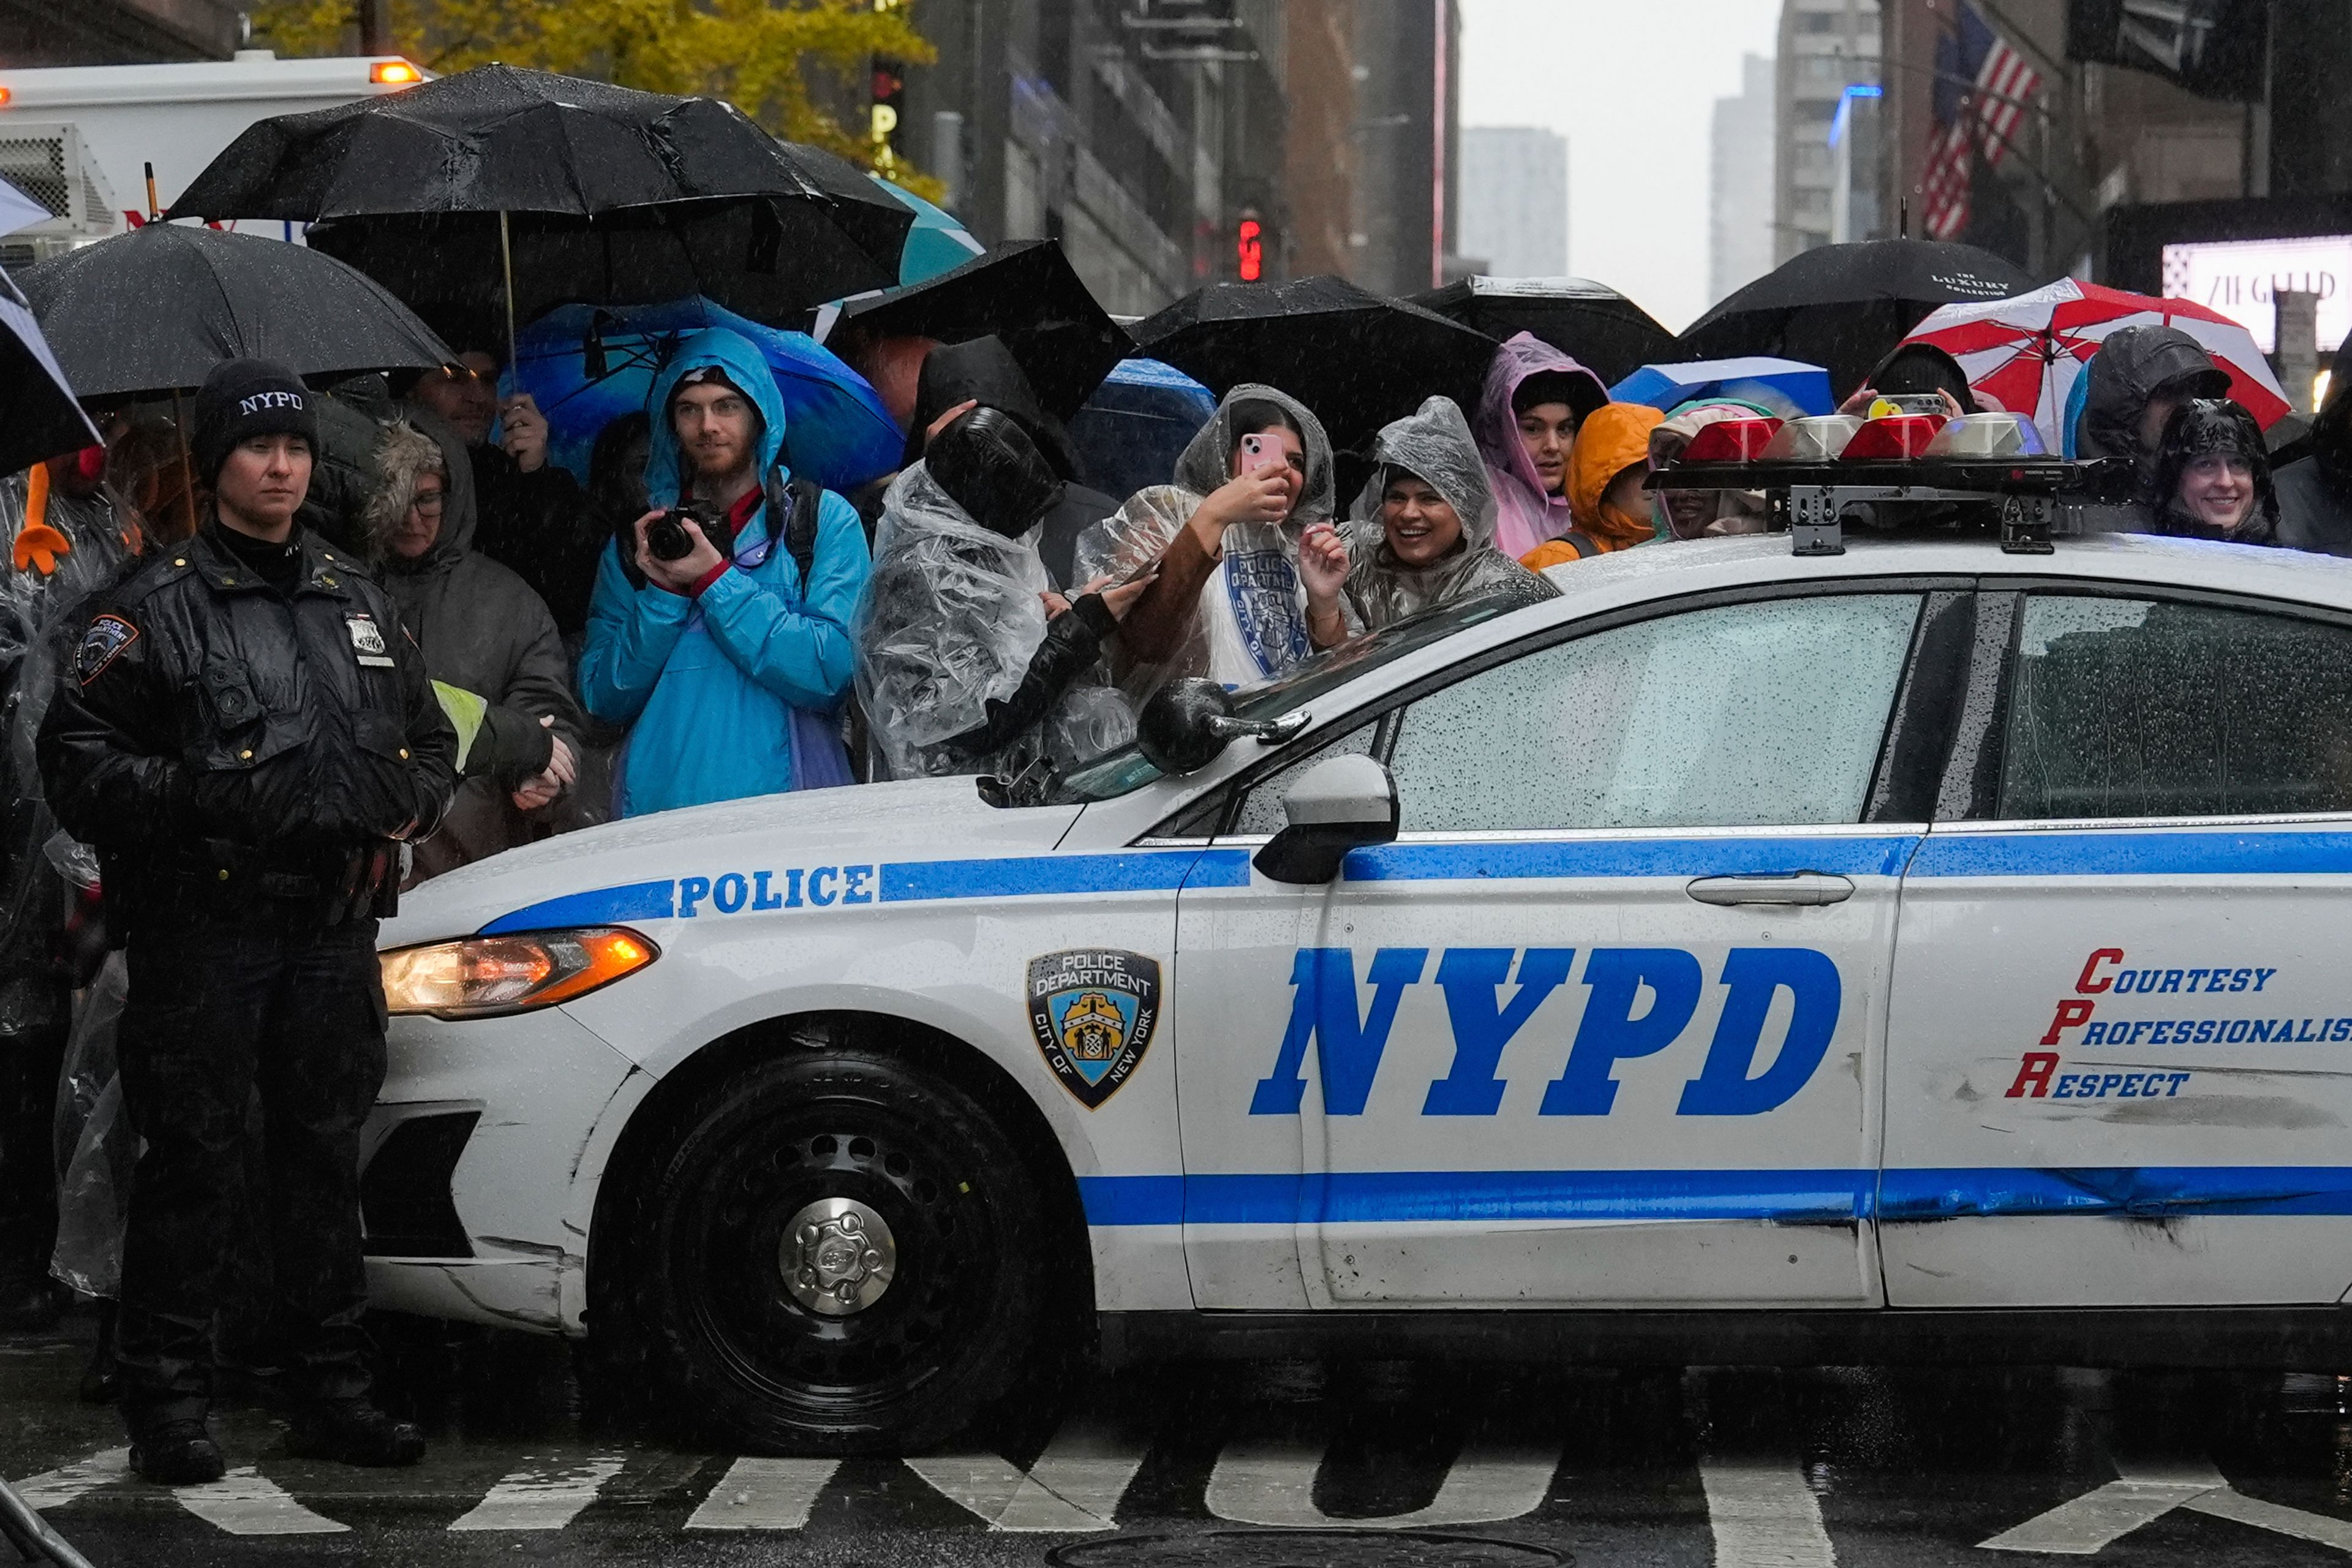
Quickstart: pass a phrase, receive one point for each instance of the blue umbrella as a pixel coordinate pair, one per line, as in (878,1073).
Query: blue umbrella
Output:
(1784,386)
(586,365)
(938,242)
(1130,431)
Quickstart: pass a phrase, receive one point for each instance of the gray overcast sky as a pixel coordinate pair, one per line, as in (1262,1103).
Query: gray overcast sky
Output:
(1631,84)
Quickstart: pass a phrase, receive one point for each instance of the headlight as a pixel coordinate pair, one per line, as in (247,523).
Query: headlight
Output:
(481,976)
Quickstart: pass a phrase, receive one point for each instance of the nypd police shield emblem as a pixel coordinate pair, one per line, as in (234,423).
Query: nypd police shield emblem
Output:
(1093,1011)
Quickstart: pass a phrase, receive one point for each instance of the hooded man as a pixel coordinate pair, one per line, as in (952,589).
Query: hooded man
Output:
(488,642)
(2315,493)
(245,734)
(1535,399)
(968,661)
(1227,602)
(1422,533)
(729,663)
(983,374)
(2135,381)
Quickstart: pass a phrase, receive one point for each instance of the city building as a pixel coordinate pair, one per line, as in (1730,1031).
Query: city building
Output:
(1514,200)
(1143,134)
(1740,182)
(1825,48)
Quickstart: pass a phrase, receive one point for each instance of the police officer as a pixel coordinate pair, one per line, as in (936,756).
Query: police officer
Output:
(245,734)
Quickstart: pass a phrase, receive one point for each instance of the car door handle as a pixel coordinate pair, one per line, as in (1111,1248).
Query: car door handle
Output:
(1797,888)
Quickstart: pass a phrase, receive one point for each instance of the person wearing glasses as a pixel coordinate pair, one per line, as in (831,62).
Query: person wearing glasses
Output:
(533,517)
(489,645)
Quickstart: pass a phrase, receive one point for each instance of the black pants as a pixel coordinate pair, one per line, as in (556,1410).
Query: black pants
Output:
(217,1013)
(32,1053)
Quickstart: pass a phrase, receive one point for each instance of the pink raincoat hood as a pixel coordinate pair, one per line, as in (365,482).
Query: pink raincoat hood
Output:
(1523,516)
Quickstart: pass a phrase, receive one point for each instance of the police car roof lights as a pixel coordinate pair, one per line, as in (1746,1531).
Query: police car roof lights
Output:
(1732,440)
(1896,436)
(1817,435)
(1989,477)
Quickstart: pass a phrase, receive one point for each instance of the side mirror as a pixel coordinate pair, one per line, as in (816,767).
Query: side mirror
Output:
(1188,722)
(1339,804)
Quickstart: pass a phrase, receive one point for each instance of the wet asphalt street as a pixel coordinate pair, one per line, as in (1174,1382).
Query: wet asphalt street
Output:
(1380,1465)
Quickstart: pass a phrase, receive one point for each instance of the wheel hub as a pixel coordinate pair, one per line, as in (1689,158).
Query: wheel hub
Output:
(837,1256)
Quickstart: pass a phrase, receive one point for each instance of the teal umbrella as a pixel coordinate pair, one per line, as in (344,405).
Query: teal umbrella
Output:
(936,242)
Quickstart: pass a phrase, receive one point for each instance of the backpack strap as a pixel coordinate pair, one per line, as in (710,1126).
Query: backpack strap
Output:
(806,501)
(1576,539)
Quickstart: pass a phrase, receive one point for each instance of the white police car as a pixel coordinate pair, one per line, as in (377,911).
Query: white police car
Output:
(1740,953)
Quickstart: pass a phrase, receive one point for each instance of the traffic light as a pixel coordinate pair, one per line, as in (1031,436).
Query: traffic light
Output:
(1249,248)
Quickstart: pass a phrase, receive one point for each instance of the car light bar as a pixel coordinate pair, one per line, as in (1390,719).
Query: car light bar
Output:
(1814,438)
(1896,436)
(1731,441)
(484,976)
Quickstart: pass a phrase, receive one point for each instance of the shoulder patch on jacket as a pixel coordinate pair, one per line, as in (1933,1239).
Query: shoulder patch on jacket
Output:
(101,645)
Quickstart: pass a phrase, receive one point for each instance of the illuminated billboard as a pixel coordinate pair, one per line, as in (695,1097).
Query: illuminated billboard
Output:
(2239,277)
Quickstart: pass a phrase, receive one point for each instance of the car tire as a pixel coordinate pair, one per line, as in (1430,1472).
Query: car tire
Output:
(699,1294)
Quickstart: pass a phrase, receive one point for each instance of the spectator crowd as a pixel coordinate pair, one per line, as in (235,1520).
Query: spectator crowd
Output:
(698,622)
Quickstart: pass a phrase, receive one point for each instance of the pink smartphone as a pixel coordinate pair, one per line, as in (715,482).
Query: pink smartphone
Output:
(1258,453)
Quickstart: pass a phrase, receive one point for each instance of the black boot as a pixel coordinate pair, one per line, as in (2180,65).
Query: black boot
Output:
(354,1432)
(178,1454)
(101,1380)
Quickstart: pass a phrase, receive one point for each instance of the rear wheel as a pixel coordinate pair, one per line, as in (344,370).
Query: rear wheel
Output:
(837,1253)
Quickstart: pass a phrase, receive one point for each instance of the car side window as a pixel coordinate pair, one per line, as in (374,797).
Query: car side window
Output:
(1261,812)
(1768,712)
(2155,708)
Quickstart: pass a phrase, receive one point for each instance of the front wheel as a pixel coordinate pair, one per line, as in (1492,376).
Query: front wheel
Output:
(839,1253)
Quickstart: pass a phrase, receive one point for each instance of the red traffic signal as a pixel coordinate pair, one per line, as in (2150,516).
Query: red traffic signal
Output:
(1249,248)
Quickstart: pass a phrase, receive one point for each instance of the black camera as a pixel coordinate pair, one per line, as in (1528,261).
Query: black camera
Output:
(667,538)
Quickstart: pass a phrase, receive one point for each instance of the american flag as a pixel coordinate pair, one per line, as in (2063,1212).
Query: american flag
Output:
(1981,88)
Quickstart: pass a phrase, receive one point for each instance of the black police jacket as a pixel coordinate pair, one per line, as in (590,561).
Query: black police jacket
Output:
(208,728)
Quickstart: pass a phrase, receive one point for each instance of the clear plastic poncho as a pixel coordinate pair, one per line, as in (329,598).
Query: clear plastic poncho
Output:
(1433,444)
(1251,621)
(97,1147)
(35,600)
(951,618)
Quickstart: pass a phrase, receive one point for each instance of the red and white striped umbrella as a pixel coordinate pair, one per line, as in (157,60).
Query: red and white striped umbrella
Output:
(2029,352)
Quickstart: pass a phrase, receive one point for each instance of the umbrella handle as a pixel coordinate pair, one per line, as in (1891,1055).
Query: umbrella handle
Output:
(506,265)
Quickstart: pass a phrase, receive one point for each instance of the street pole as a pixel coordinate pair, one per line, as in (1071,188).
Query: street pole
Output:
(375,26)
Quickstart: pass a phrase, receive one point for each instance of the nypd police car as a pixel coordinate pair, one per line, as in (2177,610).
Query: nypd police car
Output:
(1738,943)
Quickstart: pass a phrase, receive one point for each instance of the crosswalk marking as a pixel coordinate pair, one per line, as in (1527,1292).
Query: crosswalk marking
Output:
(1078,1482)
(764,1494)
(53,1489)
(2229,1503)
(1272,1483)
(2144,1494)
(246,1502)
(546,1496)
(1764,1515)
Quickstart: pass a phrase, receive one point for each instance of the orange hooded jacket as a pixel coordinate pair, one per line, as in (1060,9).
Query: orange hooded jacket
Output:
(1613,438)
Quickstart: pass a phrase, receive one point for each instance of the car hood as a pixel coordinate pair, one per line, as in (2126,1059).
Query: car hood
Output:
(918,819)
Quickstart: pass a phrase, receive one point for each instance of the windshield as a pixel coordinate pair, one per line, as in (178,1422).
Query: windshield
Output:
(1122,771)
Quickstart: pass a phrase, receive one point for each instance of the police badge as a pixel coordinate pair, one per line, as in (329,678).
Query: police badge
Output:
(1093,1012)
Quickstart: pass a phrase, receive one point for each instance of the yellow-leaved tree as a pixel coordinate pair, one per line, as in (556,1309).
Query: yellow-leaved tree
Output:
(772,58)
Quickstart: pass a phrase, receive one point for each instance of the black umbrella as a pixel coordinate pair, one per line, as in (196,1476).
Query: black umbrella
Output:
(1844,306)
(1025,292)
(154,310)
(1358,359)
(731,250)
(38,416)
(504,141)
(1592,323)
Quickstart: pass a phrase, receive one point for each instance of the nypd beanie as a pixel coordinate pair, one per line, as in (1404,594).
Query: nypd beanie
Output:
(243,398)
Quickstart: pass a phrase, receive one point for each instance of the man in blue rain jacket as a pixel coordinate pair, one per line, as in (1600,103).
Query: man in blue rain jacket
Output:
(729,665)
